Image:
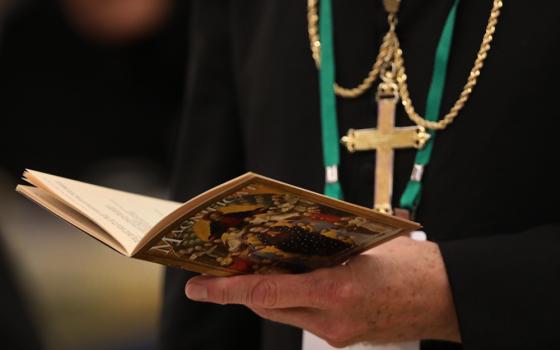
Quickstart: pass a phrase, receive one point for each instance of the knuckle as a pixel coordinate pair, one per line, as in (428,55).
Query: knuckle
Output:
(313,290)
(346,291)
(336,344)
(264,313)
(338,293)
(228,291)
(264,293)
(225,296)
(339,336)
(337,341)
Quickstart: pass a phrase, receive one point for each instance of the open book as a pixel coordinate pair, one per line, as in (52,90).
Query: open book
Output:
(251,224)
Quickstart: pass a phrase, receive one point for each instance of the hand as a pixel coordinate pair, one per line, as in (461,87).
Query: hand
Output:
(395,292)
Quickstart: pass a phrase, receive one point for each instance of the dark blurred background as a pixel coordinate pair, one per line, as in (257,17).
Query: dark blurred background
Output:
(92,90)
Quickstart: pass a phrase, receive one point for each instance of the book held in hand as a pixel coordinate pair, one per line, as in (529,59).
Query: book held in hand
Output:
(251,224)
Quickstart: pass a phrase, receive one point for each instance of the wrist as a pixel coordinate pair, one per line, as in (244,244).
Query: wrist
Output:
(444,323)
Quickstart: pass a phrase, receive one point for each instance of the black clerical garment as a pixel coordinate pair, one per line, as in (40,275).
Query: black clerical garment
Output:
(491,195)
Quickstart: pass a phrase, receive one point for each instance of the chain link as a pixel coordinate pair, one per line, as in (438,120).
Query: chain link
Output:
(467,88)
(390,50)
(315,44)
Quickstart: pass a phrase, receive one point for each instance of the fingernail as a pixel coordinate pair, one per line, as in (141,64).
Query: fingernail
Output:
(196,292)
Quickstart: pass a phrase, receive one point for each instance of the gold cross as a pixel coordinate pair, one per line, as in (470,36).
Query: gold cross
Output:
(384,140)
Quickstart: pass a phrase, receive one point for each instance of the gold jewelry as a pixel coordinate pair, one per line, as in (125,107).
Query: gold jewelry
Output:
(391,52)
(382,56)
(468,87)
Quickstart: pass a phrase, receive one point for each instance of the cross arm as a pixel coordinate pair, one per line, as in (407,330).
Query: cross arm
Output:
(373,139)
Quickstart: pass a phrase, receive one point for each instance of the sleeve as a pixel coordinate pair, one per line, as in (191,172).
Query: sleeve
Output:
(210,151)
(506,289)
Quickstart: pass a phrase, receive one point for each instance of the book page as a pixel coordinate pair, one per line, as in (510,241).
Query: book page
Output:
(44,199)
(125,216)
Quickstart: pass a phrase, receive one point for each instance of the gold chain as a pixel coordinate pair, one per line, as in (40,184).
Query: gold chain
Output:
(390,49)
(467,88)
(315,44)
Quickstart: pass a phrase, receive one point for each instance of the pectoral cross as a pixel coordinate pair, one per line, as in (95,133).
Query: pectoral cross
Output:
(384,140)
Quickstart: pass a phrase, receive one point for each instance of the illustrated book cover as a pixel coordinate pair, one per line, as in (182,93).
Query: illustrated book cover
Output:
(251,224)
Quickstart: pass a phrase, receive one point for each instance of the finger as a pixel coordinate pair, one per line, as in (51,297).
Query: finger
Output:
(270,291)
(260,291)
